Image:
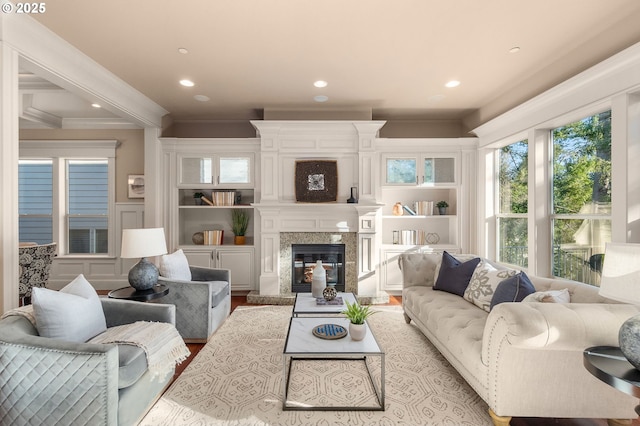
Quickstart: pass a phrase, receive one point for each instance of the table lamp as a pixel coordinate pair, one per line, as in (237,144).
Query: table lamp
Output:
(143,243)
(621,281)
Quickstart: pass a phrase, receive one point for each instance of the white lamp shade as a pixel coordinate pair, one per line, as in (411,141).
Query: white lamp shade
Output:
(144,242)
(621,273)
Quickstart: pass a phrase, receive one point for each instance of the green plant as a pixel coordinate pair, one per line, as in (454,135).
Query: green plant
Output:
(239,222)
(198,195)
(357,313)
(442,204)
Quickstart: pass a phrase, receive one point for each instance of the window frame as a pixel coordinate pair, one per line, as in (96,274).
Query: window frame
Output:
(59,151)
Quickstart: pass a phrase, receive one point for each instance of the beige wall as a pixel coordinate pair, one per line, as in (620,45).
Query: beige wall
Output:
(129,154)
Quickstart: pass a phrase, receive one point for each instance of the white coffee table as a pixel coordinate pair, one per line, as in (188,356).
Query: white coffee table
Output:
(301,345)
(305,304)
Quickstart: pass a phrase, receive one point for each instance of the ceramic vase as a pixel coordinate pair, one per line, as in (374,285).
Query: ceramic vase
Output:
(318,280)
(239,240)
(397,209)
(357,331)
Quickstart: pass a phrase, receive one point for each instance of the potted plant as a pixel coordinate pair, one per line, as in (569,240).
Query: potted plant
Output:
(357,314)
(239,225)
(442,207)
(197,197)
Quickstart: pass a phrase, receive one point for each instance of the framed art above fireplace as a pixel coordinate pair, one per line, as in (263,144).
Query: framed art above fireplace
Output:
(316,181)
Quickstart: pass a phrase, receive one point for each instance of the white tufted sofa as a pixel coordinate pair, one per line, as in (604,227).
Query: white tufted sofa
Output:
(523,359)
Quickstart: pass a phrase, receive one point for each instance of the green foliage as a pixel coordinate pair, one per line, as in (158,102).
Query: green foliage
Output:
(357,313)
(198,195)
(442,204)
(239,221)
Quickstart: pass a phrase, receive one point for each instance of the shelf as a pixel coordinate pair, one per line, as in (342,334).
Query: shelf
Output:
(435,216)
(235,206)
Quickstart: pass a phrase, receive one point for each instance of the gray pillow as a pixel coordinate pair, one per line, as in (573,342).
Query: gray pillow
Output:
(454,276)
(513,289)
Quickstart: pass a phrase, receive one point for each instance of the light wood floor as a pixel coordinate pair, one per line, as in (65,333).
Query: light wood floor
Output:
(240,300)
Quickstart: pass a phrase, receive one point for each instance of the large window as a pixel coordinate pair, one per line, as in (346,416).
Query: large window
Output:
(512,200)
(581,192)
(66,195)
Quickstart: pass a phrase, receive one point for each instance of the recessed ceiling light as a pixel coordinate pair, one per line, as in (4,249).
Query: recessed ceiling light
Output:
(183,50)
(453,83)
(320,83)
(515,49)
(321,98)
(202,98)
(187,83)
(96,105)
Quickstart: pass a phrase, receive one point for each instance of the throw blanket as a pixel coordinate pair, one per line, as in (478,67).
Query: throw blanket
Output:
(160,341)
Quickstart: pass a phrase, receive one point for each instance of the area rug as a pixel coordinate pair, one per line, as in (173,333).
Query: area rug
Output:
(236,379)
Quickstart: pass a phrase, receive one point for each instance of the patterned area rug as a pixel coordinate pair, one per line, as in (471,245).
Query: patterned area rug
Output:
(236,379)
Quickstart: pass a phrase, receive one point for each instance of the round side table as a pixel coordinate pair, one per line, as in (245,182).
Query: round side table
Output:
(608,364)
(130,293)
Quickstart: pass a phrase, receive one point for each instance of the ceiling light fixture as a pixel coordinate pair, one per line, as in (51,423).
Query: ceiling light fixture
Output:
(321,98)
(183,50)
(320,83)
(96,105)
(515,49)
(452,83)
(187,83)
(202,98)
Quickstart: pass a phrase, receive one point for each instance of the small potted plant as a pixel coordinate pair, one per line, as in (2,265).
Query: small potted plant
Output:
(197,197)
(442,207)
(239,225)
(357,314)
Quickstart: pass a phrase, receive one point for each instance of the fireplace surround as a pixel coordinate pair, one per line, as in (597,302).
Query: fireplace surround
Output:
(304,258)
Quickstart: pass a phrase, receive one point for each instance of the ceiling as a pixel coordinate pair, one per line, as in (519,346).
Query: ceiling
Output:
(390,57)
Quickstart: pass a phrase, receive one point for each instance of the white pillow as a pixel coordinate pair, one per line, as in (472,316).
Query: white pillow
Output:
(551,296)
(175,266)
(74,313)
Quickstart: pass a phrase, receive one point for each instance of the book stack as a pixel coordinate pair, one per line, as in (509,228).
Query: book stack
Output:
(424,208)
(223,198)
(213,238)
(413,237)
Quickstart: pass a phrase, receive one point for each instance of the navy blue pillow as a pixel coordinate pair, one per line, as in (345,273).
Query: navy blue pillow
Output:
(513,289)
(454,276)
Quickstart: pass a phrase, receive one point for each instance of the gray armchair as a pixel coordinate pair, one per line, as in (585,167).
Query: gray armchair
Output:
(51,381)
(202,304)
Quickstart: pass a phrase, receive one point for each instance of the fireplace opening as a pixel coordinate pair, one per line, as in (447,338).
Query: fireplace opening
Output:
(304,258)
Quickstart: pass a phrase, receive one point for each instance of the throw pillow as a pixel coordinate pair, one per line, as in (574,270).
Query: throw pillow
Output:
(175,266)
(551,296)
(513,289)
(484,282)
(74,313)
(454,276)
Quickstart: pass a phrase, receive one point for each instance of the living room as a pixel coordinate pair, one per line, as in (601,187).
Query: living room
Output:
(149,142)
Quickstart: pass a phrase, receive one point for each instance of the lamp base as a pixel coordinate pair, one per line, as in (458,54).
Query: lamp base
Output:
(629,339)
(143,275)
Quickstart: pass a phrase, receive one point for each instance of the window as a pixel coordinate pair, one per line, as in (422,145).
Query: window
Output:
(581,197)
(35,201)
(66,195)
(512,199)
(87,207)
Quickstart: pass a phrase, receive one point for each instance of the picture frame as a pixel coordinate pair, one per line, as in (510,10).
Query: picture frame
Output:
(316,181)
(135,185)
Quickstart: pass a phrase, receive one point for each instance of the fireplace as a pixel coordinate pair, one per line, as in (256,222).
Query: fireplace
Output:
(304,258)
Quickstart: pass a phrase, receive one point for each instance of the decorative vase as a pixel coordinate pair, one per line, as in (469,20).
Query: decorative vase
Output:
(329,293)
(239,240)
(354,195)
(357,331)
(318,280)
(629,339)
(397,209)
(198,238)
(442,211)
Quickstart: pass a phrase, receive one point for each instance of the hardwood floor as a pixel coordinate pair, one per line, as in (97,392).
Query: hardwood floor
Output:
(397,300)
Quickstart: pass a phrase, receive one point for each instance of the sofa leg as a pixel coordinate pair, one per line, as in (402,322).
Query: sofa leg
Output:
(406,318)
(499,420)
(619,422)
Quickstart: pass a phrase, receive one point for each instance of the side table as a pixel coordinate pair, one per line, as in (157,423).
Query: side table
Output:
(130,293)
(608,364)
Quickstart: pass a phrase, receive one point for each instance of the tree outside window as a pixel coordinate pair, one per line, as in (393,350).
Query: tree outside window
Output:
(581,206)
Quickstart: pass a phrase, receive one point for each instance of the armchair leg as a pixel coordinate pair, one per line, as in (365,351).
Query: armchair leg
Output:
(406,318)
(499,420)
(619,422)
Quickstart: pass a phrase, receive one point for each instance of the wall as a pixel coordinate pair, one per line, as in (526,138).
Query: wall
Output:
(129,154)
